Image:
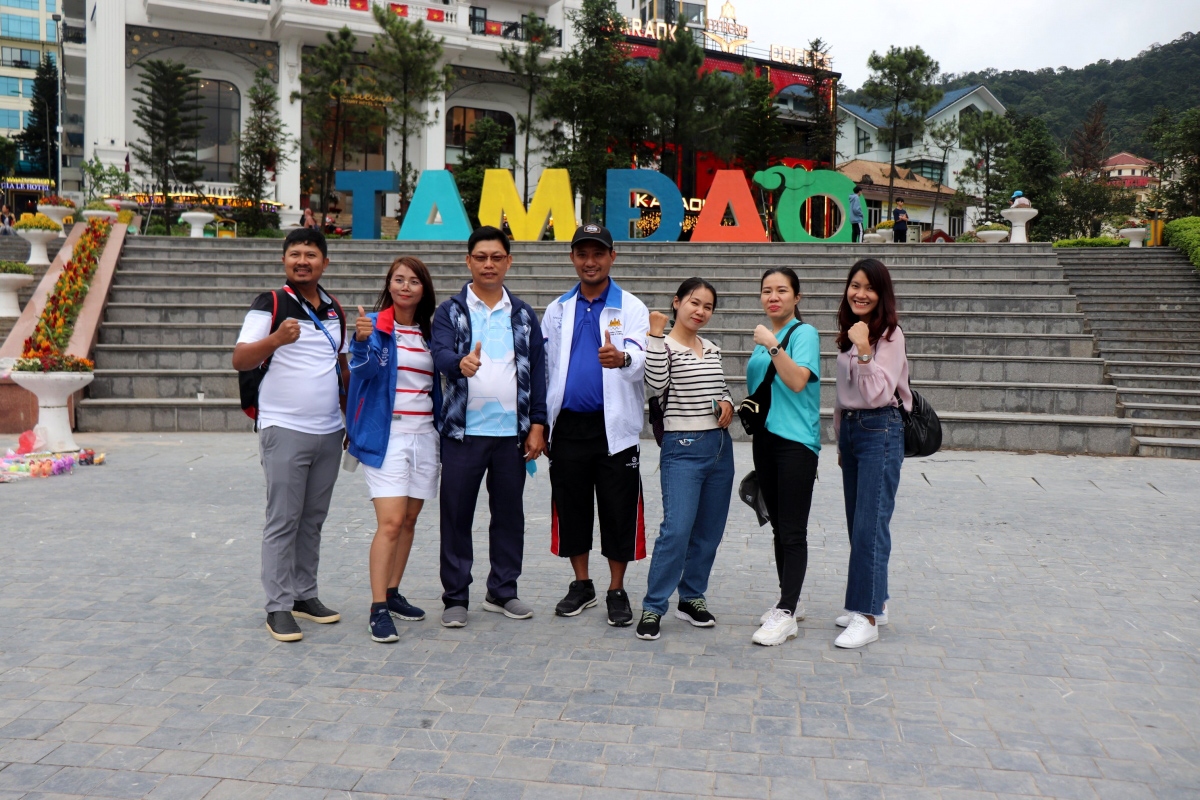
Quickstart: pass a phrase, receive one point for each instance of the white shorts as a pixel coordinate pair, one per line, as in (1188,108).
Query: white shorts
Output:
(411,467)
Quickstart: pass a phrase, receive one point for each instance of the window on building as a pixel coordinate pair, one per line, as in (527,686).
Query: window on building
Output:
(20,57)
(51,6)
(904,141)
(27,87)
(10,118)
(216,147)
(29,5)
(18,27)
(460,126)
(874,212)
(692,14)
(863,141)
(956,226)
(10,87)
(51,31)
(478,17)
(927,168)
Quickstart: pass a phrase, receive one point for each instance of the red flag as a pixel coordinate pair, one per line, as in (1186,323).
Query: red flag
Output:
(435,15)
(359,5)
(319,2)
(493,28)
(399,10)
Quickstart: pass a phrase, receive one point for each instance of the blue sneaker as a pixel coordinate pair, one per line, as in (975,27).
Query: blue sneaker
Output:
(382,628)
(402,609)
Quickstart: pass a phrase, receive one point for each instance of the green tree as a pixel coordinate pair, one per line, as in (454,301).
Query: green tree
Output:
(407,63)
(822,107)
(1089,145)
(101,181)
(529,66)
(167,109)
(1036,167)
(483,150)
(1089,204)
(987,137)
(1176,141)
(901,81)
(329,81)
(943,137)
(592,103)
(39,139)
(759,131)
(9,149)
(263,147)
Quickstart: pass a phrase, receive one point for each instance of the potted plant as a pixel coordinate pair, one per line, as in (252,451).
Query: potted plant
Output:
(56,208)
(885,229)
(98,209)
(38,230)
(873,237)
(992,233)
(1134,231)
(13,277)
(197,219)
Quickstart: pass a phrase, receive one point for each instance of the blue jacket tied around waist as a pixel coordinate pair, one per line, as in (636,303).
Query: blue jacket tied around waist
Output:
(372,395)
(452,342)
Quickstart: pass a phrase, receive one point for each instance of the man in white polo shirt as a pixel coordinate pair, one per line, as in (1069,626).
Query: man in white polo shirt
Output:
(301,330)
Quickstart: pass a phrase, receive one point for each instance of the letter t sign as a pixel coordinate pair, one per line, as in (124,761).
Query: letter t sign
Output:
(364,188)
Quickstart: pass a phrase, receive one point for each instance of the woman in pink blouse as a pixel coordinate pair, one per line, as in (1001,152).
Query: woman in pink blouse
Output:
(872,381)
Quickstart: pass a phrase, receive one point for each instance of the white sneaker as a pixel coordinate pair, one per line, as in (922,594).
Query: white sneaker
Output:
(778,628)
(859,632)
(844,619)
(798,616)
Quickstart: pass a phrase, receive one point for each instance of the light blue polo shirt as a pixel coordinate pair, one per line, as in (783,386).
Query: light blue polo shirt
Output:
(795,416)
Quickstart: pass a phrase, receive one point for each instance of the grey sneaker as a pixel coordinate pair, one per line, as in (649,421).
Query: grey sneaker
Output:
(512,608)
(454,617)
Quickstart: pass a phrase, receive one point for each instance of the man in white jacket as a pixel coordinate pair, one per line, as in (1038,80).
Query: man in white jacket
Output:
(596,359)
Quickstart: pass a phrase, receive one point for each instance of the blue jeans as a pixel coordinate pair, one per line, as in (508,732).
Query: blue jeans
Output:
(697,481)
(872,448)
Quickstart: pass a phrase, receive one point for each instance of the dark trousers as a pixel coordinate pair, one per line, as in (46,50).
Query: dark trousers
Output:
(856,231)
(786,473)
(900,235)
(463,467)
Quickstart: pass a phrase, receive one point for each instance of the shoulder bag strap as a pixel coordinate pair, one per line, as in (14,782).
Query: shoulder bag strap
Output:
(769,378)
(313,316)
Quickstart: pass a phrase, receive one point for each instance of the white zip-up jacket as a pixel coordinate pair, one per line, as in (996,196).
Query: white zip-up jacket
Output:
(627,322)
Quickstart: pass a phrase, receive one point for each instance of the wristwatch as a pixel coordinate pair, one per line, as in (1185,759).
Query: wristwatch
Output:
(773,351)
(865,359)
(628,360)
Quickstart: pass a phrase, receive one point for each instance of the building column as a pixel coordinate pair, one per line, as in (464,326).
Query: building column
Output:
(435,134)
(287,178)
(104,107)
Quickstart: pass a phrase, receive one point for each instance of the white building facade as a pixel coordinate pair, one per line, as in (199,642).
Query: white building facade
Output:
(229,40)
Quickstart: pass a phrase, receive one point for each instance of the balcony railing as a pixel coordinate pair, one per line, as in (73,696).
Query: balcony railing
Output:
(410,11)
(518,31)
(73,35)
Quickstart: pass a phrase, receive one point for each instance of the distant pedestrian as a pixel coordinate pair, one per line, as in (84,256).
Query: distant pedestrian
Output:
(785,454)
(696,463)
(596,356)
(394,401)
(309,221)
(872,380)
(900,217)
(856,214)
(6,221)
(302,330)
(488,344)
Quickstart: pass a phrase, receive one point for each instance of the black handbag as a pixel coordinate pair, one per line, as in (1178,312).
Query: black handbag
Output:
(754,409)
(658,406)
(922,428)
(751,494)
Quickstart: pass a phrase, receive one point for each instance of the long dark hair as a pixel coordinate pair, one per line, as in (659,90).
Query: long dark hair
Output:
(689,286)
(883,319)
(793,279)
(423,316)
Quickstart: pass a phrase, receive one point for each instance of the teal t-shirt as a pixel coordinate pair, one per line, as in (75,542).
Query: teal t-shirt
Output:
(795,416)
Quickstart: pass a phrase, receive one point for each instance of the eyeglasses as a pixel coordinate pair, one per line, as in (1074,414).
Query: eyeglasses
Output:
(483,258)
(409,284)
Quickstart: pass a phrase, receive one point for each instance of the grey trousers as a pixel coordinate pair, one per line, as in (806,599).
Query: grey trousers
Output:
(301,469)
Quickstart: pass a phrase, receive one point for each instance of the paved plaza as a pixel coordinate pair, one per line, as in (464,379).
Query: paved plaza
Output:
(1043,642)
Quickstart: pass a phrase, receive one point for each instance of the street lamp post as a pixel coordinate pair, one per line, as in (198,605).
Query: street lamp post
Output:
(62,80)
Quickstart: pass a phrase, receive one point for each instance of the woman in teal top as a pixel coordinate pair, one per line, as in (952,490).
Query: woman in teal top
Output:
(785,454)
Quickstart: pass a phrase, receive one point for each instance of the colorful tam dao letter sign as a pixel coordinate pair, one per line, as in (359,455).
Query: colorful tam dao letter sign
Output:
(553,199)
(621,214)
(798,186)
(364,187)
(436,195)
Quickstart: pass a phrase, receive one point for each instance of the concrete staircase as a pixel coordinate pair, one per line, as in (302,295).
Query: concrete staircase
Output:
(14,248)
(1144,309)
(996,339)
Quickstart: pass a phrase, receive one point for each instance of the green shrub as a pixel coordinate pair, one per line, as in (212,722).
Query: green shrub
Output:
(992,226)
(1184,233)
(15,268)
(1099,241)
(968,237)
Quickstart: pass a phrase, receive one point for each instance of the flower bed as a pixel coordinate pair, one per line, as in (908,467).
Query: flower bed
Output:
(1184,233)
(15,268)
(37,222)
(55,200)
(1098,241)
(44,351)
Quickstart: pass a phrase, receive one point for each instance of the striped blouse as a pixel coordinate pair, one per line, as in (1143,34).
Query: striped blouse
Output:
(413,409)
(695,382)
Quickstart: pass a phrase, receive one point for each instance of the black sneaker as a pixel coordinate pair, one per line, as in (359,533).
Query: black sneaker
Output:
(314,609)
(402,609)
(282,625)
(648,627)
(382,628)
(619,612)
(581,595)
(695,612)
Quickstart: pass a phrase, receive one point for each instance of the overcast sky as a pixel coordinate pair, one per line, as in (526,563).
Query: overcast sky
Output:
(1018,34)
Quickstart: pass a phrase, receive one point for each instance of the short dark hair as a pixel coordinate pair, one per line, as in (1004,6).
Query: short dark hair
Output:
(488,233)
(857,189)
(306,236)
(899,199)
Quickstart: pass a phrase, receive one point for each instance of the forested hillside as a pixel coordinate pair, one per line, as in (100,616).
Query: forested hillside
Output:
(1163,75)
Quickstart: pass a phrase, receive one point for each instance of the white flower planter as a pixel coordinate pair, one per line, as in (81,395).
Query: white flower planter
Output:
(197,219)
(10,284)
(873,238)
(290,218)
(1135,236)
(58,214)
(1018,217)
(111,216)
(888,234)
(52,390)
(991,237)
(38,239)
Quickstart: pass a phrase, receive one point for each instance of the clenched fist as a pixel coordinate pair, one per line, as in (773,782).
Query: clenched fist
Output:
(860,335)
(658,323)
(471,362)
(287,332)
(363,326)
(763,336)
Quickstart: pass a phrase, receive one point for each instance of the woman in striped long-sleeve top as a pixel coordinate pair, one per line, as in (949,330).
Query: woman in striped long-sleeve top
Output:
(696,464)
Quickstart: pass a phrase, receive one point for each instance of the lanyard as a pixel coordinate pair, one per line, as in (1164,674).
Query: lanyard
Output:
(313,316)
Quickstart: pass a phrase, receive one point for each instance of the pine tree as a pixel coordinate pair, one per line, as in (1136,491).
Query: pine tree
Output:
(987,138)
(406,60)
(901,81)
(822,108)
(943,138)
(263,147)
(531,69)
(40,138)
(1089,144)
(167,109)
(1036,169)
(759,131)
(328,82)
(483,150)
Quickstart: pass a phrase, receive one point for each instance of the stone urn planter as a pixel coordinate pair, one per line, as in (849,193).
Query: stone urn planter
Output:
(58,214)
(873,238)
(1135,236)
(991,237)
(197,219)
(10,284)
(53,390)
(290,218)
(888,234)
(38,239)
(111,216)
(1018,217)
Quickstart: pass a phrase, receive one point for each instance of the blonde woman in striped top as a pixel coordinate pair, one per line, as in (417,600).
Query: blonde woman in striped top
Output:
(696,464)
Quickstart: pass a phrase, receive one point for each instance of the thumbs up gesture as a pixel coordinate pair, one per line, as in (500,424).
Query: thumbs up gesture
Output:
(610,356)
(470,363)
(363,326)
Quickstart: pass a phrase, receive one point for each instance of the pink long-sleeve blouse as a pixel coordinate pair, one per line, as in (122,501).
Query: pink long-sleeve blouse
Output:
(872,385)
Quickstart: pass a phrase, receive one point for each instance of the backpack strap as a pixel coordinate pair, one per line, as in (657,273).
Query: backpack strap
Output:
(341,322)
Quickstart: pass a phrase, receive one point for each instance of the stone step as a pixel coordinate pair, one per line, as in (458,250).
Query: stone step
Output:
(1161,411)
(1179,397)
(1130,354)
(1167,448)
(1150,381)
(1166,429)
(1151,309)
(1156,338)
(1169,368)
